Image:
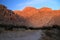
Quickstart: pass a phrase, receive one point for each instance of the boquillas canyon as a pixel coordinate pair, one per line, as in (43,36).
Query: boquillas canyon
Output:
(30,17)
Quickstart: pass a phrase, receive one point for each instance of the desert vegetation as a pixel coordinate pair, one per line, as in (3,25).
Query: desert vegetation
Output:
(10,27)
(49,32)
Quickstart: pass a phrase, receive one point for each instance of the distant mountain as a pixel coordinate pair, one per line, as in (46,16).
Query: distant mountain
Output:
(30,17)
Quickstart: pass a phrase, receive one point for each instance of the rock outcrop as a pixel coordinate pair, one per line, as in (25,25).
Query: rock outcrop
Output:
(40,17)
(8,17)
(30,17)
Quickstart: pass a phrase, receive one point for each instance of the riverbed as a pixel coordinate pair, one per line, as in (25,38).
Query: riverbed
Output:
(52,34)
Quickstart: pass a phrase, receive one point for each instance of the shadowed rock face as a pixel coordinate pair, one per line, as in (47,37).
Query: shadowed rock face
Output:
(8,17)
(2,6)
(30,17)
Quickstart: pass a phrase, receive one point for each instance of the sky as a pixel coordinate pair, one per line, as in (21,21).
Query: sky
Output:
(21,4)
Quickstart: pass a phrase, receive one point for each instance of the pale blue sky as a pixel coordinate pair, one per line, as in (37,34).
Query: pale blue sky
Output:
(21,4)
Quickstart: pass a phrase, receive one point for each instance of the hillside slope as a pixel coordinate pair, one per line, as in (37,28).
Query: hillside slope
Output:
(30,17)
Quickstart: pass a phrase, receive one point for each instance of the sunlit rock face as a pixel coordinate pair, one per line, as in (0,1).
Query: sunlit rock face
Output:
(40,17)
(30,17)
(27,12)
